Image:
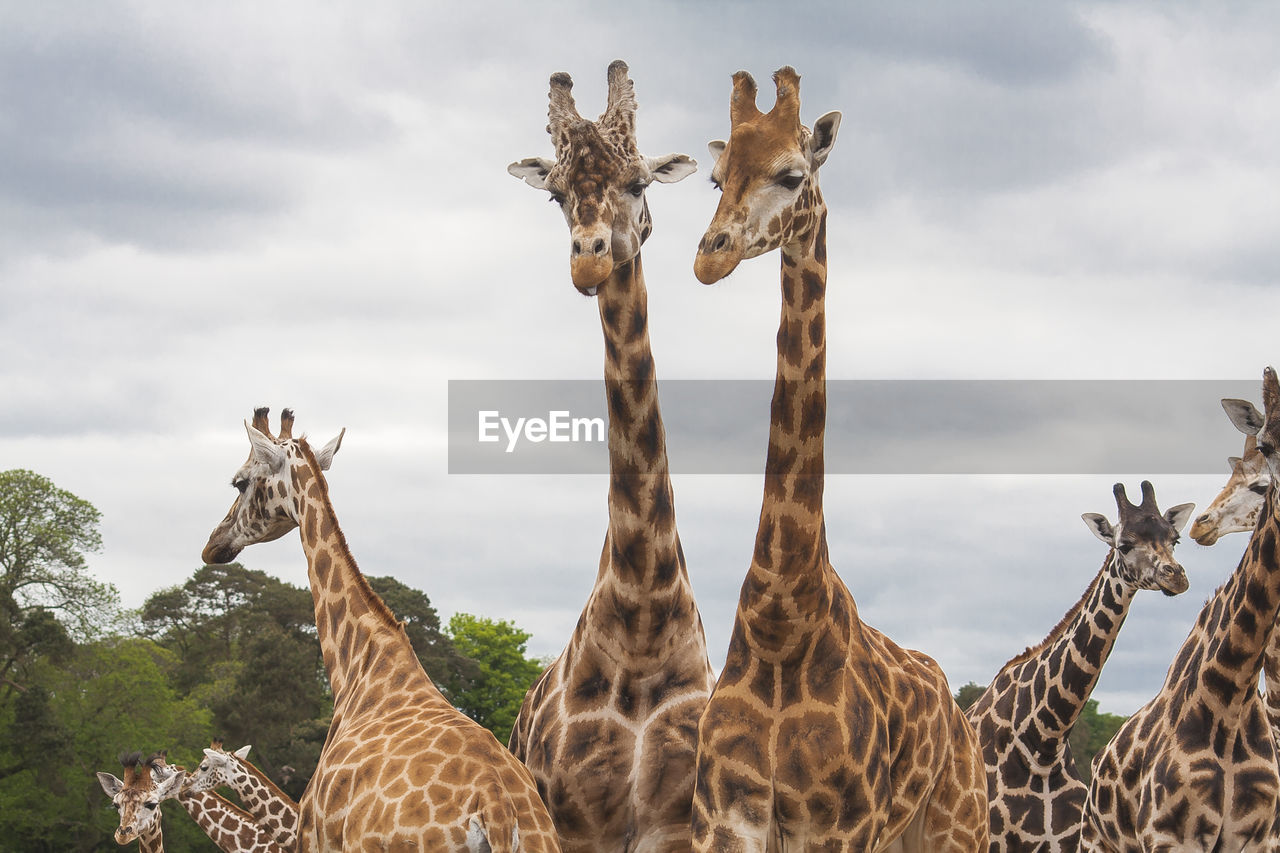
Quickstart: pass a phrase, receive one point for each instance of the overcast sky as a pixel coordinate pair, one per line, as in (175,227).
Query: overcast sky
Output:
(307,205)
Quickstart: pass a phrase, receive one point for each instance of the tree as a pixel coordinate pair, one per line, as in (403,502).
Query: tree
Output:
(47,597)
(1092,732)
(969,694)
(503,674)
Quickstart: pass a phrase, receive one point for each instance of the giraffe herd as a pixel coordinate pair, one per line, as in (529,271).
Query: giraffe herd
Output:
(820,732)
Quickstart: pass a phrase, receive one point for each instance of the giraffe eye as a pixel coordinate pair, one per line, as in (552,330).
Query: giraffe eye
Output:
(150,804)
(716,184)
(558,198)
(1125,547)
(1258,488)
(1266,449)
(636,189)
(791,180)
(241,484)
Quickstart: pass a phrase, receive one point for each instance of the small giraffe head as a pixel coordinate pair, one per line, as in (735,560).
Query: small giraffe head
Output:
(599,178)
(1143,540)
(217,768)
(267,506)
(1265,426)
(767,174)
(137,798)
(1236,508)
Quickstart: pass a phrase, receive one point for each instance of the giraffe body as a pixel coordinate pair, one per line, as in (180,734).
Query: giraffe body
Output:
(609,729)
(1195,768)
(273,809)
(401,768)
(1025,717)
(821,733)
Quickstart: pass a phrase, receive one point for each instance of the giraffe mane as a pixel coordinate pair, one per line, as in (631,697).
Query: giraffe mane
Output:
(264,778)
(371,598)
(1032,651)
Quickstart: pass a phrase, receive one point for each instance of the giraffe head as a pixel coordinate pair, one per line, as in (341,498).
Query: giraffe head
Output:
(267,506)
(1236,508)
(767,174)
(1143,540)
(599,178)
(217,768)
(1264,426)
(138,796)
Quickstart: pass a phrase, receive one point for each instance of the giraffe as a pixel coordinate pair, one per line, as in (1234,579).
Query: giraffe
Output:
(273,809)
(1235,510)
(609,729)
(1196,766)
(148,784)
(401,768)
(1024,718)
(821,733)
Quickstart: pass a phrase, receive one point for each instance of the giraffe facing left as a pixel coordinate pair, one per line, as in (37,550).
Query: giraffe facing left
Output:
(401,767)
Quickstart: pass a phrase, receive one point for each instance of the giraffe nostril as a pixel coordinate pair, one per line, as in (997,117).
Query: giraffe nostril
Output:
(598,247)
(1203,519)
(577,248)
(720,243)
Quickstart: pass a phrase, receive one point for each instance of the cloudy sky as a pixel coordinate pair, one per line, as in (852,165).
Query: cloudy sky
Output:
(307,205)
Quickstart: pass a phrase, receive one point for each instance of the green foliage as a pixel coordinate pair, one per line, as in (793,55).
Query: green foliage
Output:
(245,647)
(1092,732)
(967,695)
(47,597)
(503,672)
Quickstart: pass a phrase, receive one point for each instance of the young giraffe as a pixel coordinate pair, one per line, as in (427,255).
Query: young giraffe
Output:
(401,768)
(610,728)
(822,733)
(1235,510)
(1195,768)
(273,809)
(231,828)
(1024,719)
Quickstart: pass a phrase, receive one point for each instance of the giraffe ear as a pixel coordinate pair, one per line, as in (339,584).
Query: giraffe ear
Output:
(110,784)
(264,449)
(671,168)
(170,786)
(1179,515)
(325,457)
(1232,462)
(243,752)
(716,147)
(824,136)
(533,171)
(1100,527)
(1243,414)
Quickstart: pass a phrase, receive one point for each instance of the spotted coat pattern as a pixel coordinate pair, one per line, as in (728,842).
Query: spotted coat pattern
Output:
(609,730)
(1024,719)
(822,733)
(1195,768)
(273,809)
(401,768)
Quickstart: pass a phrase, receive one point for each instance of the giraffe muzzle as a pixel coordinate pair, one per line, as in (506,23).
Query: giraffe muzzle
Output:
(718,256)
(590,262)
(1205,530)
(1172,580)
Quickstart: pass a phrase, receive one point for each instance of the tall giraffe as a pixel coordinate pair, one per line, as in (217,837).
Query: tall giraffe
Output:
(401,768)
(1235,510)
(273,809)
(1195,768)
(822,733)
(147,785)
(610,728)
(1025,717)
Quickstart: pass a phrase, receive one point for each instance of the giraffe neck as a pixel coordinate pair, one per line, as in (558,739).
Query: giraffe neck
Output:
(363,645)
(642,556)
(231,828)
(151,840)
(1063,670)
(1221,659)
(272,807)
(785,583)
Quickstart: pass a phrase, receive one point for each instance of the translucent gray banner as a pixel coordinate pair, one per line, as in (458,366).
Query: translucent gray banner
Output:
(873,426)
